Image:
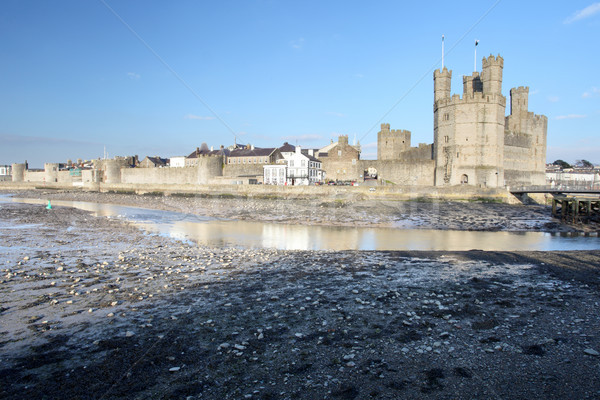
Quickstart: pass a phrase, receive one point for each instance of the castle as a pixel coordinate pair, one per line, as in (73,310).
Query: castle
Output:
(474,144)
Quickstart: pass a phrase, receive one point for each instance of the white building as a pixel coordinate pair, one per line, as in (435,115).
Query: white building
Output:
(298,167)
(177,162)
(275,174)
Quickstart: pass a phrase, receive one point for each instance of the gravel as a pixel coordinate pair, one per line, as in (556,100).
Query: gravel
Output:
(94,308)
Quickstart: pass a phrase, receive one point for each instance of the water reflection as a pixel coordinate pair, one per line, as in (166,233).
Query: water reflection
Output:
(211,232)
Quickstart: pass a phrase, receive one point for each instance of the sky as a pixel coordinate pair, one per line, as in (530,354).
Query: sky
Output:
(147,78)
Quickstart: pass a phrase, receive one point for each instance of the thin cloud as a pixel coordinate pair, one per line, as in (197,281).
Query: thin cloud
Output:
(134,76)
(553,99)
(303,138)
(297,44)
(199,117)
(359,76)
(587,12)
(591,92)
(571,116)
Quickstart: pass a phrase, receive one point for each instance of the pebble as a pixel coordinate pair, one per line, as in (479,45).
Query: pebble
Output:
(174,369)
(591,352)
(129,334)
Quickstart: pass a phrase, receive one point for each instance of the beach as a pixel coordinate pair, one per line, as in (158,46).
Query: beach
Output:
(94,308)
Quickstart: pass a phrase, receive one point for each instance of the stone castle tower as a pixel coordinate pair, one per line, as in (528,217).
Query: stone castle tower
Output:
(469,131)
(390,143)
(524,142)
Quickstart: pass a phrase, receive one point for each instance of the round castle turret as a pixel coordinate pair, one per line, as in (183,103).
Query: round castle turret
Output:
(18,172)
(51,172)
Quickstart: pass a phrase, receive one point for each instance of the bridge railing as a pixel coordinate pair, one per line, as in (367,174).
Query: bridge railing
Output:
(571,188)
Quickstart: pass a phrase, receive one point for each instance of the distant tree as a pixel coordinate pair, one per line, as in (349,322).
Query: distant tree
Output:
(584,164)
(562,164)
(204,147)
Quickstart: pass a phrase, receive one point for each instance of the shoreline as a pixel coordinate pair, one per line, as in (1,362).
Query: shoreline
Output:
(348,211)
(93,307)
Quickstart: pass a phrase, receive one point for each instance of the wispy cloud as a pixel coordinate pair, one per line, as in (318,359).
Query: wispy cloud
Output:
(134,76)
(335,114)
(536,91)
(593,91)
(587,12)
(571,116)
(200,117)
(360,76)
(303,138)
(553,99)
(297,44)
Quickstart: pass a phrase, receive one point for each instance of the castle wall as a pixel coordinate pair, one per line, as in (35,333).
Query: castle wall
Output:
(402,172)
(422,153)
(35,176)
(178,176)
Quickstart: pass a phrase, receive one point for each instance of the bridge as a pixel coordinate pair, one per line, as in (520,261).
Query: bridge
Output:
(556,190)
(574,204)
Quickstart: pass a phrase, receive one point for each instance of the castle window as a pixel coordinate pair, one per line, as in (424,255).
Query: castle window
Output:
(446,117)
(457,155)
(446,138)
(464,179)
(339,153)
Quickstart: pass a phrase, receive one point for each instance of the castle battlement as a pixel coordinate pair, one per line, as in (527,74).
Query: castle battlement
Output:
(399,132)
(520,89)
(479,97)
(492,61)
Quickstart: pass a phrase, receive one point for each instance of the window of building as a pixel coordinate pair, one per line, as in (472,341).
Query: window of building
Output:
(339,153)
(303,163)
(464,179)
(291,163)
(446,117)
(446,138)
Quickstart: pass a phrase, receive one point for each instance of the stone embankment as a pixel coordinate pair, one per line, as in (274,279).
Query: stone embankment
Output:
(363,191)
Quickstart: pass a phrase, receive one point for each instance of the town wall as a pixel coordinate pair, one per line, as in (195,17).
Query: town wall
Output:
(181,176)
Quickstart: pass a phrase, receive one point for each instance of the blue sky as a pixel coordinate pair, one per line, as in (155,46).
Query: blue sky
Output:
(160,78)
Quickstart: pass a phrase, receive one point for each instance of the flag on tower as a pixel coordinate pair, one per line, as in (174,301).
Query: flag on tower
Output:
(476,42)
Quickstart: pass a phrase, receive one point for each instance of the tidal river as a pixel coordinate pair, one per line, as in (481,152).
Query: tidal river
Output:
(232,233)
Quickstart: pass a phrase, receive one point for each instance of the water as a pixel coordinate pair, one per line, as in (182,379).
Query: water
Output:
(230,233)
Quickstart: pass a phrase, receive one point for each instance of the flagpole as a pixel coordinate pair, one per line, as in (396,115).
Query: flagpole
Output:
(475,57)
(442,53)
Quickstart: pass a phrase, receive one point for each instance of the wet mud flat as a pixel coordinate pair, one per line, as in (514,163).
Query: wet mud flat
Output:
(348,210)
(93,308)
